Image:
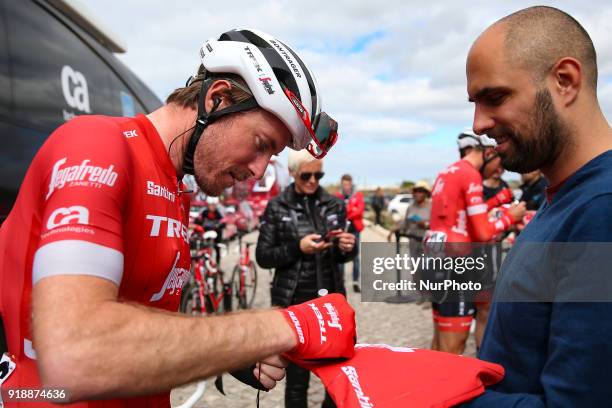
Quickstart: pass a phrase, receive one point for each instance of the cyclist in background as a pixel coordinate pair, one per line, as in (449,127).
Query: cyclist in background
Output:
(95,252)
(210,219)
(210,216)
(459,214)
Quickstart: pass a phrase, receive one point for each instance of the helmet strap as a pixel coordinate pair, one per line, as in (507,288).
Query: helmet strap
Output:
(204,119)
(486,161)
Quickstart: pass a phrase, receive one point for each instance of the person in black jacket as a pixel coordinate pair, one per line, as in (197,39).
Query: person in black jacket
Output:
(295,239)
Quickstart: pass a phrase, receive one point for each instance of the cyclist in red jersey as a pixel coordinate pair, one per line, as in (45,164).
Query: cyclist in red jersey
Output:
(459,214)
(95,252)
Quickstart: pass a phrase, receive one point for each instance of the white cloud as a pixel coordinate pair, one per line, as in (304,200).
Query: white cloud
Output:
(383,128)
(407,83)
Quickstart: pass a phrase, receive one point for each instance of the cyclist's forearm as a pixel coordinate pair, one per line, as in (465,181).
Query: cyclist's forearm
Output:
(112,349)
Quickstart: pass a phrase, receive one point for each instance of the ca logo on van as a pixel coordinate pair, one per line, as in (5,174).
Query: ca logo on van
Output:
(74,87)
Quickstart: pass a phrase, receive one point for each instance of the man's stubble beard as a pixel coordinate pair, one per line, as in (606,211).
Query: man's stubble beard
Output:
(206,158)
(548,137)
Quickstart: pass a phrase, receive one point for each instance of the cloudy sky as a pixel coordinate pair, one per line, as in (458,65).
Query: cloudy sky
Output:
(392,71)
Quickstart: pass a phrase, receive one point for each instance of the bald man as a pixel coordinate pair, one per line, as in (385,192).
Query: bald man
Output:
(532,77)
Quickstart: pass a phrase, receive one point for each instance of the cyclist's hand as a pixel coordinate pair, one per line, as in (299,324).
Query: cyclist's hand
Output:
(271,370)
(313,243)
(517,211)
(346,241)
(324,328)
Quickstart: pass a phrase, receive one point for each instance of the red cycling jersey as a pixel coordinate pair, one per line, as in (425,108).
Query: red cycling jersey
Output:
(458,210)
(379,375)
(101,198)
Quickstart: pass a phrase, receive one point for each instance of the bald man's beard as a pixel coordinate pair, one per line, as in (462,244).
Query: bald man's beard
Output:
(541,144)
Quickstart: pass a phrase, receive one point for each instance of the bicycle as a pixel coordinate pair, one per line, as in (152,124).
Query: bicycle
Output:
(244,277)
(205,292)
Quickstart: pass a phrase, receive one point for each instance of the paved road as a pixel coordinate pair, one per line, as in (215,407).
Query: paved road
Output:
(395,324)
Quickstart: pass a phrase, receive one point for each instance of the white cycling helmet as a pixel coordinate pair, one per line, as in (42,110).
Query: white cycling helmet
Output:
(212,200)
(210,235)
(468,138)
(279,82)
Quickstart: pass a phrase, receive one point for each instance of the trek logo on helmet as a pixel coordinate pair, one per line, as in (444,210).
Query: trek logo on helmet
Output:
(265,80)
(252,57)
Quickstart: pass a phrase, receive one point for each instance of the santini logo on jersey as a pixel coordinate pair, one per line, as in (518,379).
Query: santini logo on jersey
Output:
(160,191)
(82,174)
(298,326)
(351,373)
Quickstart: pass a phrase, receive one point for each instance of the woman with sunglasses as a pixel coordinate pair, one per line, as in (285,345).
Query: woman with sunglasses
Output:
(302,236)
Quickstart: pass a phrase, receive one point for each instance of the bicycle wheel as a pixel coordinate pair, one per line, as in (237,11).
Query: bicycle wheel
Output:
(238,299)
(245,285)
(190,299)
(184,297)
(251,284)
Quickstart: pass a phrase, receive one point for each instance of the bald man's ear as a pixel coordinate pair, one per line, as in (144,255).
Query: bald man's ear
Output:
(568,77)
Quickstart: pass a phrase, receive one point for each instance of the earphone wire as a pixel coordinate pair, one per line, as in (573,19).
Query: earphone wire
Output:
(181,134)
(179,191)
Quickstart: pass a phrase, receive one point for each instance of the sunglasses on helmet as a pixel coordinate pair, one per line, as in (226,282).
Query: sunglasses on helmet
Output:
(307,175)
(324,135)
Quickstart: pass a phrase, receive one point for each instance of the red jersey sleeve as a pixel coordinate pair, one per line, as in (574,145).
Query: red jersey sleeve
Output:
(503,197)
(84,170)
(482,228)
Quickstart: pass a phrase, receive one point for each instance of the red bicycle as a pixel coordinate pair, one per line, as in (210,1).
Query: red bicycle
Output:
(244,278)
(205,292)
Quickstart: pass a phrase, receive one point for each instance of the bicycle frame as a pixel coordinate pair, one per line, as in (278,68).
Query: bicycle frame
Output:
(205,276)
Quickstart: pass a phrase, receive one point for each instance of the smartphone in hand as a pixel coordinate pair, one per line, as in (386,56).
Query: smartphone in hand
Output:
(331,235)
